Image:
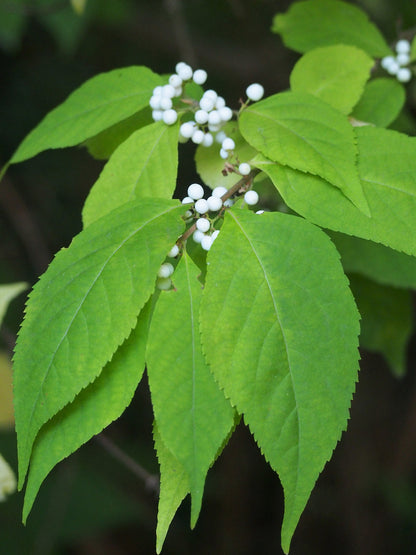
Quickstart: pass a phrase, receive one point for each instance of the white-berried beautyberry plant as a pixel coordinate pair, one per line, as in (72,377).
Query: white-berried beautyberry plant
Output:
(235,309)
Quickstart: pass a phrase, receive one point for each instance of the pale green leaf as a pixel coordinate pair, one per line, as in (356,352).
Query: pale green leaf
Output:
(96,406)
(387,167)
(8,291)
(103,145)
(336,74)
(192,414)
(279,328)
(381,102)
(210,165)
(174,486)
(375,261)
(84,307)
(145,165)
(386,320)
(304,132)
(78,6)
(313,23)
(96,105)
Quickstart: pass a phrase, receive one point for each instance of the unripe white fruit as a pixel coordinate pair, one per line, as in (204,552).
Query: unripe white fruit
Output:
(197,236)
(214,203)
(208,140)
(201,116)
(201,206)
(165,270)
(206,104)
(219,191)
(210,93)
(154,101)
(195,191)
(187,129)
(168,91)
(203,224)
(164,283)
(206,242)
(403,59)
(184,72)
(228,144)
(219,103)
(255,91)
(251,198)
(215,234)
(404,75)
(220,136)
(157,91)
(175,81)
(214,128)
(224,154)
(200,76)
(225,113)
(170,117)
(187,200)
(178,91)
(214,118)
(403,46)
(174,251)
(157,115)
(198,136)
(165,103)
(387,61)
(244,168)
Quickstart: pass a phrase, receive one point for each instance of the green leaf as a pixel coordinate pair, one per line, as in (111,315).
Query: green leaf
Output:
(336,74)
(174,486)
(307,134)
(386,320)
(375,261)
(381,102)
(96,406)
(84,307)
(7,293)
(103,145)
(96,105)
(387,167)
(279,328)
(192,414)
(145,165)
(78,6)
(210,165)
(313,23)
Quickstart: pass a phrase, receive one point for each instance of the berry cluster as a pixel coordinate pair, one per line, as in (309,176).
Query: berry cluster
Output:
(396,65)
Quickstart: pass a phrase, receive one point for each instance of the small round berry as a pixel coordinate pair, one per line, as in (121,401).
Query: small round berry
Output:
(403,46)
(392,67)
(208,140)
(228,144)
(251,198)
(206,242)
(200,76)
(165,103)
(168,91)
(219,103)
(201,206)
(255,91)
(154,101)
(174,251)
(404,75)
(195,191)
(214,118)
(187,200)
(224,154)
(206,104)
(225,113)
(219,191)
(210,93)
(260,212)
(215,234)
(179,65)
(220,136)
(175,81)
(214,203)
(214,128)
(198,136)
(164,284)
(203,224)
(178,91)
(197,236)
(403,59)
(184,72)
(158,91)
(165,270)
(386,61)
(229,202)
(187,129)
(244,168)
(157,115)
(170,117)
(201,116)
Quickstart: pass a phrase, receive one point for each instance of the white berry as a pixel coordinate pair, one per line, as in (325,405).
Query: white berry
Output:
(170,117)
(203,224)
(244,168)
(219,103)
(168,91)
(201,116)
(206,104)
(195,191)
(210,93)
(206,242)
(403,46)
(164,283)
(214,118)
(215,234)
(403,59)
(223,154)
(187,129)
(260,212)
(187,200)
(255,91)
(251,198)
(198,136)
(387,61)
(165,103)
(208,140)
(174,251)
(404,75)
(197,236)
(184,72)
(200,76)
(175,81)
(225,113)
(220,136)
(214,203)
(228,144)
(229,202)
(165,270)
(201,206)
(157,115)
(154,101)
(219,191)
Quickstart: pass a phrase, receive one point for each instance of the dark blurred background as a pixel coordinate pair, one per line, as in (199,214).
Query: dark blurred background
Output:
(365,500)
